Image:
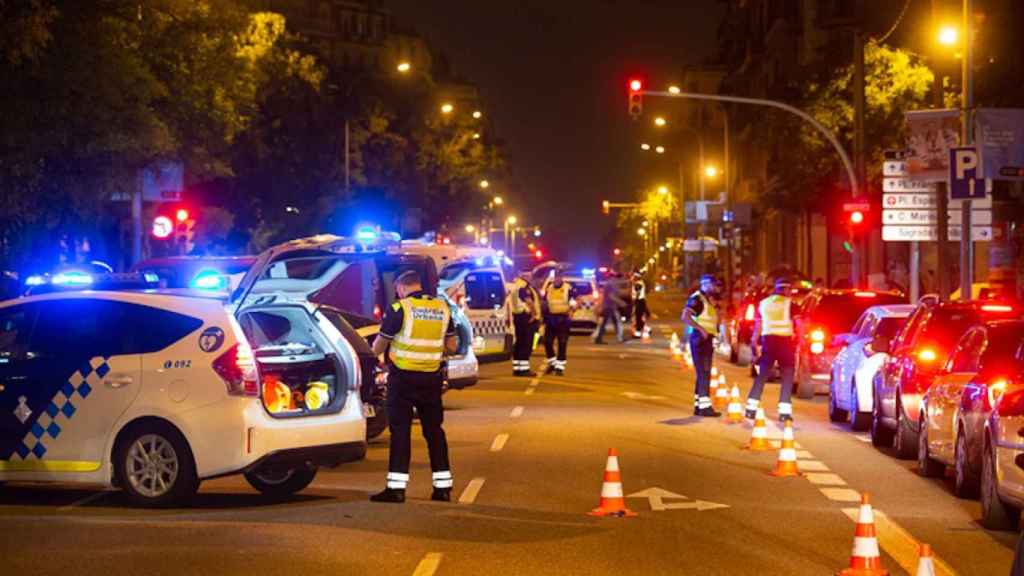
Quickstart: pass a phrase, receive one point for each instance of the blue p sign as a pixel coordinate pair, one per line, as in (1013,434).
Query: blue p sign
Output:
(964,183)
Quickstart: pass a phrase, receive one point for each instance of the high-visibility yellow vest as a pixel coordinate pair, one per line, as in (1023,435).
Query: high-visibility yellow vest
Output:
(708,317)
(520,306)
(775,316)
(557,298)
(419,345)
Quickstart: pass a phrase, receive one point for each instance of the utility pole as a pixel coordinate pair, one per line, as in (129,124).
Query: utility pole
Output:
(858,260)
(967,138)
(941,196)
(348,148)
(727,223)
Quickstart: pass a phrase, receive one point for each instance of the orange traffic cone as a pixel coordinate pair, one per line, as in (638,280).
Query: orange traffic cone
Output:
(721,398)
(786,464)
(673,344)
(925,561)
(865,559)
(714,371)
(735,413)
(759,436)
(612,501)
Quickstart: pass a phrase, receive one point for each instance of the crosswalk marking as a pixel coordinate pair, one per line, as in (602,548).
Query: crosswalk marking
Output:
(471,491)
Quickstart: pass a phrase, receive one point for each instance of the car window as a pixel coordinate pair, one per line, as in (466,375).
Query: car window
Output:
(86,326)
(16,325)
(967,356)
(945,326)
(484,290)
(911,328)
(452,271)
(888,327)
(155,329)
(838,312)
(1002,351)
(864,324)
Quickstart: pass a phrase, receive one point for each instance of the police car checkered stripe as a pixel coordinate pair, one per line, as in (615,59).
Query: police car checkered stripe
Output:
(489,327)
(62,407)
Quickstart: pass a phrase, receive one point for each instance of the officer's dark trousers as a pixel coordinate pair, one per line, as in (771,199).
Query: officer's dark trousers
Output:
(422,391)
(779,350)
(703,351)
(525,331)
(556,328)
(640,315)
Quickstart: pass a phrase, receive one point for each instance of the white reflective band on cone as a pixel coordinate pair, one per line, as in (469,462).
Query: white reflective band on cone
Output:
(867,515)
(613,464)
(611,490)
(865,547)
(759,433)
(785,408)
(787,455)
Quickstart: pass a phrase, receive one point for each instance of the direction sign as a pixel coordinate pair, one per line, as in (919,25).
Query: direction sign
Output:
(912,217)
(902,184)
(894,168)
(908,201)
(930,234)
(963,174)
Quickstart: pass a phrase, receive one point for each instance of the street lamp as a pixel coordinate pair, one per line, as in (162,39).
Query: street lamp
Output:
(645,146)
(663,190)
(512,220)
(641,231)
(660,121)
(470,228)
(476,136)
(498,200)
(673,89)
(484,184)
(477,114)
(949,36)
(711,171)
(447,108)
(404,67)
(660,149)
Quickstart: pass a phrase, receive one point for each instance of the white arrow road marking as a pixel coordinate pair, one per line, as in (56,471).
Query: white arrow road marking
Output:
(639,396)
(657,497)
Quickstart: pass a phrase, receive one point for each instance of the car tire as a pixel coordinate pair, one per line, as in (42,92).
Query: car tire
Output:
(744,355)
(859,421)
(377,425)
(995,514)
(905,439)
(926,466)
(965,483)
(881,436)
(280,483)
(804,384)
(154,465)
(835,413)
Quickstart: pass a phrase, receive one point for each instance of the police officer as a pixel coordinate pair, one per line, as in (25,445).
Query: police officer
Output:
(773,335)
(640,310)
(558,304)
(416,332)
(526,317)
(701,316)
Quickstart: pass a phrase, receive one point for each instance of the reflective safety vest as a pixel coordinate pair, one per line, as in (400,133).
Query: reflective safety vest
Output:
(557,298)
(775,316)
(708,317)
(419,345)
(520,306)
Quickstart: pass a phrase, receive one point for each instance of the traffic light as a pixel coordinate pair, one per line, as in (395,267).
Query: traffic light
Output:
(856,218)
(636,99)
(162,227)
(538,254)
(606,207)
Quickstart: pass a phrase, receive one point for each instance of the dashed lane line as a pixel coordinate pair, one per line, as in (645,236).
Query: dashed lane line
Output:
(534,381)
(471,491)
(428,565)
(899,544)
(841,494)
(804,455)
(824,479)
(811,466)
(530,391)
(517,412)
(499,442)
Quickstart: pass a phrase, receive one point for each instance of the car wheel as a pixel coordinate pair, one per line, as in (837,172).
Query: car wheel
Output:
(804,384)
(859,421)
(378,424)
(905,441)
(881,436)
(744,354)
(835,413)
(154,465)
(965,483)
(280,482)
(925,465)
(995,514)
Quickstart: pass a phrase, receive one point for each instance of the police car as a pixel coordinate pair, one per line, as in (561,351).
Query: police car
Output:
(584,316)
(154,392)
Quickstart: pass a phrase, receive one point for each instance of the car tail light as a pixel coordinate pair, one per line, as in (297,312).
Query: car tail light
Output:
(997,308)
(749,314)
(818,335)
(817,347)
(927,355)
(995,392)
(377,314)
(864,294)
(237,367)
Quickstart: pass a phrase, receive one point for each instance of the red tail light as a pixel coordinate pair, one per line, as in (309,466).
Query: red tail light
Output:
(995,392)
(749,314)
(927,355)
(376,312)
(864,294)
(997,308)
(237,367)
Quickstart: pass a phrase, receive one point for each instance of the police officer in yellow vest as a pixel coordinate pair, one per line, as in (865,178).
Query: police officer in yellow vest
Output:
(416,332)
(526,318)
(558,304)
(773,334)
(701,316)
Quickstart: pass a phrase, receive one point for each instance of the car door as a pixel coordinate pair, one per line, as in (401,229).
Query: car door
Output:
(82,374)
(944,394)
(19,404)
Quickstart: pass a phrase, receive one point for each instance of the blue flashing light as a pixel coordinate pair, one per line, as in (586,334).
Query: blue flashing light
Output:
(210,280)
(589,272)
(150,278)
(35,280)
(481,261)
(366,234)
(72,278)
(508,261)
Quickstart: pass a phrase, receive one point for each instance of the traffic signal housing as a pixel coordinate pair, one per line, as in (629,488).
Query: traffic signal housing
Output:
(636,99)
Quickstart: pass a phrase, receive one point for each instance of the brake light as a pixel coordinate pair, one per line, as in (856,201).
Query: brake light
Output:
(237,367)
(864,294)
(997,308)
(995,392)
(817,335)
(376,311)
(749,314)
(927,355)
(817,347)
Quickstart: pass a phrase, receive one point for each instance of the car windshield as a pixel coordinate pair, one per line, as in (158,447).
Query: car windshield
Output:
(946,326)
(1004,343)
(839,312)
(889,327)
(453,271)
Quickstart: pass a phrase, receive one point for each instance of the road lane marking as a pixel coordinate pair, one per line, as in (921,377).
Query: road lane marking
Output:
(811,466)
(804,455)
(499,442)
(471,491)
(841,494)
(824,479)
(517,412)
(428,566)
(900,545)
(530,391)
(534,381)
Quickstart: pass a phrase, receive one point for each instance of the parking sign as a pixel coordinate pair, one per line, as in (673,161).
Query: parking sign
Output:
(964,183)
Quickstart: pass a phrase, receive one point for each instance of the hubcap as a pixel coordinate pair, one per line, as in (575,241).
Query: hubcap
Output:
(152,466)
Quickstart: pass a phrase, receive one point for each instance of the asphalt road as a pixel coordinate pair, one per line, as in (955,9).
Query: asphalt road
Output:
(528,457)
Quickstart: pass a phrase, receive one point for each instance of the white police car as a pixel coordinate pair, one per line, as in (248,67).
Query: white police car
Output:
(156,391)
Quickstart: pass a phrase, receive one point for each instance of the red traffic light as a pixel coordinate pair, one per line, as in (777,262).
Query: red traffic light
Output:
(538,254)
(856,217)
(636,85)
(181,215)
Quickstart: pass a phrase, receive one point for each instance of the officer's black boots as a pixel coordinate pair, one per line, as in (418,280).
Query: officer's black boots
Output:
(442,495)
(389,495)
(785,418)
(750,414)
(709,413)
(525,374)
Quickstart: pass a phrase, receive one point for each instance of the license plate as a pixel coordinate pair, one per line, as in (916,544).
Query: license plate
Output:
(369,411)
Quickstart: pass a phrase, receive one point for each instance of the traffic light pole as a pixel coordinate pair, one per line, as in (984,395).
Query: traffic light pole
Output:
(967,137)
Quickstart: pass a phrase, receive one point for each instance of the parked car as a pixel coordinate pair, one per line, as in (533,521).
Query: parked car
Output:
(101,384)
(916,356)
(957,405)
(478,288)
(855,366)
(1002,458)
(824,315)
(584,317)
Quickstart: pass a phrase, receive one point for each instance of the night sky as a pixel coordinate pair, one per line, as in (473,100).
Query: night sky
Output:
(552,75)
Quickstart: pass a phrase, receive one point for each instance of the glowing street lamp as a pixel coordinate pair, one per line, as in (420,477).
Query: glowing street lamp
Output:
(660,149)
(641,231)
(447,108)
(673,89)
(645,146)
(711,171)
(404,67)
(470,228)
(477,114)
(663,190)
(660,121)
(512,220)
(949,36)
(498,200)
(484,184)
